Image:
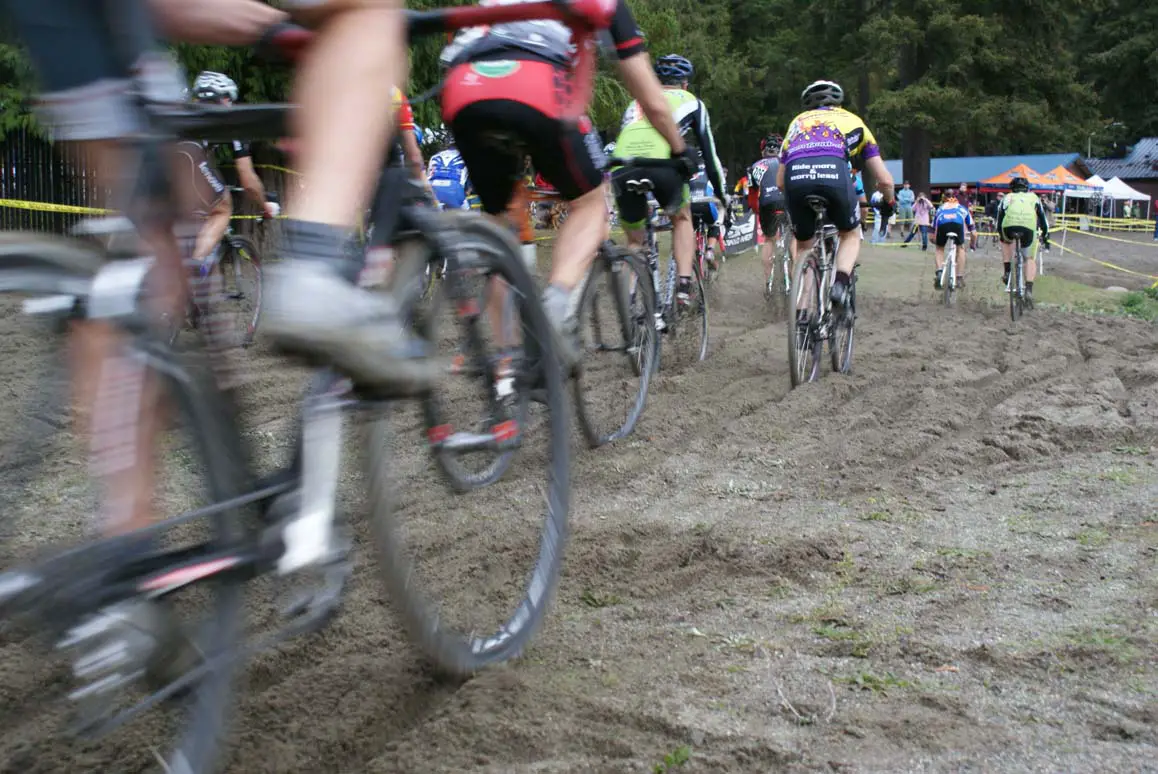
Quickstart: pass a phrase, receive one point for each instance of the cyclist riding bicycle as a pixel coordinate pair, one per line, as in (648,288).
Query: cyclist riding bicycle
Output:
(1019,216)
(707,214)
(449,178)
(814,161)
(766,199)
(952,218)
(512,85)
(640,137)
(213,200)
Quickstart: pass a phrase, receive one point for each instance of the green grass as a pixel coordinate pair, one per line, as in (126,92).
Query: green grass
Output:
(674,759)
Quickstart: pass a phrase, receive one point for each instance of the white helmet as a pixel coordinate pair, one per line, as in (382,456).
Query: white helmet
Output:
(822,94)
(212,87)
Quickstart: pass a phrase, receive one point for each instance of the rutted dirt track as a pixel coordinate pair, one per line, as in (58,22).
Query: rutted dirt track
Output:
(945,561)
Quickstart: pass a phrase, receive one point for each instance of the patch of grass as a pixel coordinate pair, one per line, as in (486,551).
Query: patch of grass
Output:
(1140,305)
(597,599)
(673,760)
(861,644)
(1112,645)
(1092,538)
(884,516)
(1135,451)
(881,684)
(831,612)
(1119,476)
(908,584)
(968,554)
(1021,523)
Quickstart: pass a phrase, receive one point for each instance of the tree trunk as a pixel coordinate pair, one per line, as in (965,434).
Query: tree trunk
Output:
(916,158)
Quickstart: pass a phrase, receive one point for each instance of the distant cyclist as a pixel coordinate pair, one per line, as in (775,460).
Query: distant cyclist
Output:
(639,138)
(814,160)
(952,218)
(449,178)
(707,214)
(1018,217)
(767,200)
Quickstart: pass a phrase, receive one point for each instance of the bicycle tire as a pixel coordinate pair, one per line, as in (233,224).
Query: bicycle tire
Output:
(947,288)
(843,330)
(804,352)
(51,266)
(461,654)
(242,249)
(684,328)
(1015,285)
(779,292)
(625,278)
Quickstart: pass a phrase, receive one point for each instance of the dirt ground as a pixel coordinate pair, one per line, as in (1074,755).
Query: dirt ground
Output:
(946,561)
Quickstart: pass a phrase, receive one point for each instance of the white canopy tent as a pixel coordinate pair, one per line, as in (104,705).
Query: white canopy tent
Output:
(1095,191)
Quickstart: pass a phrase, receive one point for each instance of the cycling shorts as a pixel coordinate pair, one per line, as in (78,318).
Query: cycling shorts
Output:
(770,218)
(828,178)
(671,192)
(945,229)
(703,213)
(1019,233)
(89,67)
(499,109)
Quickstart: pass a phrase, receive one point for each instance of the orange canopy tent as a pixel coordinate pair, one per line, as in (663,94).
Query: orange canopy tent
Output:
(1067,178)
(1037,182)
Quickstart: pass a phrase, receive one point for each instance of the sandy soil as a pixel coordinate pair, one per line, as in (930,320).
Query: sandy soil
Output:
(945,561)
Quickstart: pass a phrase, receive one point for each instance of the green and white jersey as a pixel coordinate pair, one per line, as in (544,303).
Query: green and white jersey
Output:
(638,138)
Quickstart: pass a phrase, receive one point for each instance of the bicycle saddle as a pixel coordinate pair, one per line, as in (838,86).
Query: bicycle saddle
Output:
(642,185)
(817,203)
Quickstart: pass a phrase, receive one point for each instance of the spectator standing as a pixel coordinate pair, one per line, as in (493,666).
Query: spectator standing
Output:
(879,225)
(966,200)
(905,198)
(922,220)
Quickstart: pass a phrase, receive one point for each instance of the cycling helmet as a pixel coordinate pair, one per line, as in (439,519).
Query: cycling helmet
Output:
(1019,184)
(771,140)
(822,94)
(214,87)
(673,69)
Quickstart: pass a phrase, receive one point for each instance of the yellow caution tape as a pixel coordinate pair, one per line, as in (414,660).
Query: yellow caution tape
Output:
(1115,239)
(19,204)
(1109,265)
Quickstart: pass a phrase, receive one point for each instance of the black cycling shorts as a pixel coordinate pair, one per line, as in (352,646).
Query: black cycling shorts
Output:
(1019,233)
(670,191)
(770,215)
(945,229)
(828,178)
(491,135)
(702,214)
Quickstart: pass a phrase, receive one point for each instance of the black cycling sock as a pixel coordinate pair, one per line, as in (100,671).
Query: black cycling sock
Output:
(685,284)
(843,278)
(1029,286)
(323,243)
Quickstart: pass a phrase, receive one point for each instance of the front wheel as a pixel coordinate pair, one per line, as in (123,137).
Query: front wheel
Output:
(688,324)
(239,302)
(1015,287)
(499,553)
(620,343)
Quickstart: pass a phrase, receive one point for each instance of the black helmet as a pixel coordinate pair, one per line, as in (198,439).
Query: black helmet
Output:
(771,140)
(1019,184)
(673,68)
(822,94)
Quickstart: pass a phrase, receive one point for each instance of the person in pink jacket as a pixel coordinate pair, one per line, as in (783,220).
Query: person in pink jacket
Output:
(922,220)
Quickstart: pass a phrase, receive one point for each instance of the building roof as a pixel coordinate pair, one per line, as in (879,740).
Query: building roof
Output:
(1140,163)
(974,169)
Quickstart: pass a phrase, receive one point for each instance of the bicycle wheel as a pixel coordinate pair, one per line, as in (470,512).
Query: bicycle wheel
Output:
(947,281)
(1015,284)
(803,345)
(239,303)
(45,272)
(621,345)
(462,650)
(473,445)
(840,348)
(690,333)
(778,291)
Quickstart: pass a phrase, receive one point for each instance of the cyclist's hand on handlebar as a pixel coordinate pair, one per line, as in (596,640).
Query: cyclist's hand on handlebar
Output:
(691,160)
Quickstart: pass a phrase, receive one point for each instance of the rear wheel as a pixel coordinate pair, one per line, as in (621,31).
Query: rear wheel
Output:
(803,344)
(690,332)
(840,348)
(621,346)
(947,281)
(240,299)
(1015,284)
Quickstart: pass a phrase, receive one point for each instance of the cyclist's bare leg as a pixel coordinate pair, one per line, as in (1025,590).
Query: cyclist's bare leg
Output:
(683,239)
(1031,261)
(1006,256)
(579,238)
(961,253)
(767,251)
(848,251)
(939,258)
